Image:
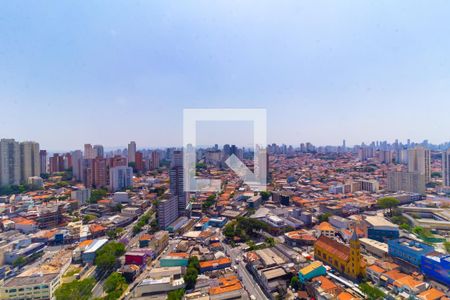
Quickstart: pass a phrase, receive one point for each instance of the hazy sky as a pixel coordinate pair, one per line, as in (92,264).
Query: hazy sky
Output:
(107,72)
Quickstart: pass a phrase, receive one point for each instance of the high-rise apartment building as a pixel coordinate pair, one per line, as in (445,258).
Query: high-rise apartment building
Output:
(100,175)
(43,161)
(419,160)
(155,160)
(167,211)
(132,152)
(88,151)
(29,160)
(98,151)
(120,177)
(176,174)
(412,182)
(139,163)
(77,161)
(9,162)
(446,167)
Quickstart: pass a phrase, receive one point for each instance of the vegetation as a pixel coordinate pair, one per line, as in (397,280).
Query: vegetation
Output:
(209,202)
(175,295)
(114,233)
(15,189)
(265,195)
(75,290)
(436,175)
(72,272)
(98,194)
(423,233)
(402,221)
(295,283)
(372,293)
(388,203)
(114,286)
(141,223)
(106,257)
(447,246)
(190,278)
(324,217)
(88,218)
(244,228)
(20,261)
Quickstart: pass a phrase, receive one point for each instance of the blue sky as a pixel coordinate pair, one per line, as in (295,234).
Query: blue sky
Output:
(107,72)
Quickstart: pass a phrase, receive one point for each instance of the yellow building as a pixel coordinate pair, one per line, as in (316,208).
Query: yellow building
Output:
(346,260)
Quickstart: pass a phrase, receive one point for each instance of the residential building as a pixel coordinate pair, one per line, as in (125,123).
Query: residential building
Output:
(132,152)
(9,162)
(120,178)
(167,211)
(419,160)
(29,160)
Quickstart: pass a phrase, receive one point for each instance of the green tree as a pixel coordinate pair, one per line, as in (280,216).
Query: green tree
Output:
(447,246)
(190,278)
(372,293)
(106,257)
(19,261)
(88,218)
(115,282)
(388,203)
(295,283)
(98,194)
(76,290)
(265,195)
(270,241)
(175,295)
(324,217)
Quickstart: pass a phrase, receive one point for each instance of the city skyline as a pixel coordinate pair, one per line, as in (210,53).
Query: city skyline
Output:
(106,73)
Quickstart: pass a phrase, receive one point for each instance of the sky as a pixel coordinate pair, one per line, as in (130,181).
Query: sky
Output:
(107,72)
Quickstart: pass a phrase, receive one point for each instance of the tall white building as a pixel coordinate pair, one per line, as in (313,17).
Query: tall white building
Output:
(446,167)
(132,152)
(77,162)
(30,160)
(120,177)
(9,162)
(419,160)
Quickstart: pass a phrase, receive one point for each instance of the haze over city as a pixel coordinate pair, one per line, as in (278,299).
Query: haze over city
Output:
(324,70)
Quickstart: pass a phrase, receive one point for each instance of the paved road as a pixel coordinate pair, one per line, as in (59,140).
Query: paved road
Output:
(249,283)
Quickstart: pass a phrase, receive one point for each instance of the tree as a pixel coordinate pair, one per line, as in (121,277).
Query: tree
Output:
(175,295)
(106,257)
(295,283)
(88,218)
(98,194)
(76,290)
(190,278)
(115,282)
(371,292)
(270,241)
(324,217)
(447,246)
(388,203)
(265,195)
(19,261)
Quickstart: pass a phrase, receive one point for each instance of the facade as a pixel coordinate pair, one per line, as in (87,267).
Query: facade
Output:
(176,174)
(43,161)
(9,162)
(347,260)
(315,269)
(167,212)
(419,160)
(436,267)
(379,229)
(132,152)
(412,182)
(120,178)
(36,286)
(155,161)
(446,167)
(409,250)
(29,160)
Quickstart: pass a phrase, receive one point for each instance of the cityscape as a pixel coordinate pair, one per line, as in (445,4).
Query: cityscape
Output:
(335,222)
(224,150)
